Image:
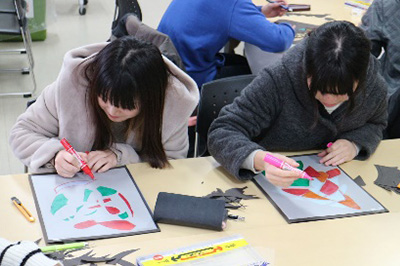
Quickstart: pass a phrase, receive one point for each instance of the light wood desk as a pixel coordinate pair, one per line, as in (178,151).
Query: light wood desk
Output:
(364,240)
(322,11)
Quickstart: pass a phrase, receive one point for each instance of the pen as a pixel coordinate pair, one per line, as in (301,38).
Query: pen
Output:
(282,6)
(54,248)
(236,217)
(285,166)
(85,168)
(329,144)
(22,209)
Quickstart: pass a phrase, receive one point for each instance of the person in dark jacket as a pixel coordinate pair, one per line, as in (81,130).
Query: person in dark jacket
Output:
(325,89)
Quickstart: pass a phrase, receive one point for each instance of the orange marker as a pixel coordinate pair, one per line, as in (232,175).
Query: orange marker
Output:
(22,209)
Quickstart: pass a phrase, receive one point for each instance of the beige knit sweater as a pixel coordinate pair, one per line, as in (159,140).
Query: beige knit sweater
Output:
(61,112)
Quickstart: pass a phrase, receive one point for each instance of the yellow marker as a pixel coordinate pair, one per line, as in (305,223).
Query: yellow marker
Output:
(22,209)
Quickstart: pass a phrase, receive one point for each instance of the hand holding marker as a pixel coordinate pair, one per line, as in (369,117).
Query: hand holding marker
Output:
(85,168)
(285,166)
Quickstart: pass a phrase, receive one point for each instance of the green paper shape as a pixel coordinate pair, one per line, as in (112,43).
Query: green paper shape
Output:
(77,209)
(105,191)
(58,202)
(87,194)
(301,182)
(93,212)
(123,215)
(301,165)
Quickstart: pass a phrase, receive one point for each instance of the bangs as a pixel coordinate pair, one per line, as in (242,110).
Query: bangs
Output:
(334,82)
(120,91)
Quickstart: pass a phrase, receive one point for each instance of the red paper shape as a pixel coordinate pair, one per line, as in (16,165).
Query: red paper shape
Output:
(311,172)
(112,210)
(119,225)
(333,172)
(295,191)
(329,188)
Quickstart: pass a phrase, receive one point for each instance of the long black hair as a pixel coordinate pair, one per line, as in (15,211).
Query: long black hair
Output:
(130,74)
(337,55)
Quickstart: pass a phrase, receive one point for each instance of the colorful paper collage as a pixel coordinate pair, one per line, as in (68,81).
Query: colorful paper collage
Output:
(331,194)
(82,208)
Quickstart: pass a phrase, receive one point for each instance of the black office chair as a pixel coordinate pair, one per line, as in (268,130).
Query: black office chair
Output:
(215,95)
(392,130)
(123,7)
(13,22)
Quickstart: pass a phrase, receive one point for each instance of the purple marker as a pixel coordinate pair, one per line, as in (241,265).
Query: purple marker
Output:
(285,166)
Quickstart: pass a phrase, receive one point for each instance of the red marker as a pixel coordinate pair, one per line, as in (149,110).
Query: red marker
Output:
(85,168)
(329,144)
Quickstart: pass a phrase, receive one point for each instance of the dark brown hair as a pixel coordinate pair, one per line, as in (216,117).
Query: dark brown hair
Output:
(130,74)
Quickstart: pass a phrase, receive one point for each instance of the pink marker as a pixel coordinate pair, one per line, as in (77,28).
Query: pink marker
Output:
(329,144)
(285,166)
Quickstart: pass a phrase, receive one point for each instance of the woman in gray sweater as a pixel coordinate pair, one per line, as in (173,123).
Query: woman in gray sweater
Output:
(325,89)
(123,102)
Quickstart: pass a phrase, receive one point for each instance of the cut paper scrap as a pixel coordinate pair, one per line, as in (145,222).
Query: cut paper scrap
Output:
(388,178)
(329,188)
(115,224)
(58,202)
(232,197)
(322,177)
(301,165)
(312,195)
(296,191)
(311,171)
(334,172)
(359,181)
(349,202)
(301,182)
(68,259)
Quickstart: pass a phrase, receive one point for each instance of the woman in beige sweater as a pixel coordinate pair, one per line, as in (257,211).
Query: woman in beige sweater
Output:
(121,101)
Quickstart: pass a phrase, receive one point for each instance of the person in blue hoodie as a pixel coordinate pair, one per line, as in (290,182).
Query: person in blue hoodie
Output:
(199,29)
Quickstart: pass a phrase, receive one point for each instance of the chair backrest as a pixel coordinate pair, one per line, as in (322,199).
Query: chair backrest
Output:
(123,7)
(215,95)
(7,6)
(131,25)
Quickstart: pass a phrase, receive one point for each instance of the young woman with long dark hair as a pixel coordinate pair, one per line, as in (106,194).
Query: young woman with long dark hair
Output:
(325,89)
(123,102)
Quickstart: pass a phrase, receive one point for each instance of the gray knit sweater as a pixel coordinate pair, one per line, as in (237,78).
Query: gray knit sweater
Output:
(276,113)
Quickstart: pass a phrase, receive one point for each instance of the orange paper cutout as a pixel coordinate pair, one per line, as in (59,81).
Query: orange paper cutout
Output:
(349,202)
(312,195)
(322,176)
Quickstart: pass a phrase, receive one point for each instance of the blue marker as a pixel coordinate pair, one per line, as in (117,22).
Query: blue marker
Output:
(282,6)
